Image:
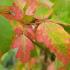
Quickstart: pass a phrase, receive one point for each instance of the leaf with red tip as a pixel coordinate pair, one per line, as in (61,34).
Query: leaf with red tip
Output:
(55,38)
(13,12)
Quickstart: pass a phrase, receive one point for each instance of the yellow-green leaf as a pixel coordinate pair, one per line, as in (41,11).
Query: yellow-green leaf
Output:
(56,38)
(61,10)
(42,12)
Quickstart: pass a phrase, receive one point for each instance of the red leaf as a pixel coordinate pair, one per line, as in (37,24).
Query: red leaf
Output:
(24,46)
(13,13)
(18,31)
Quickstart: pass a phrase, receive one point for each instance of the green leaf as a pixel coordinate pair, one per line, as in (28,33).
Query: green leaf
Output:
(58,64)
(1,67)
(67,67)
(6,34)
(8,59)
(66,27)
(61,10)
(6,2)
(28,19)
(35,52)
(41,12)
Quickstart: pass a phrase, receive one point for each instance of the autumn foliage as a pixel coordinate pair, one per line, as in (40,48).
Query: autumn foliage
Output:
(35,34)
